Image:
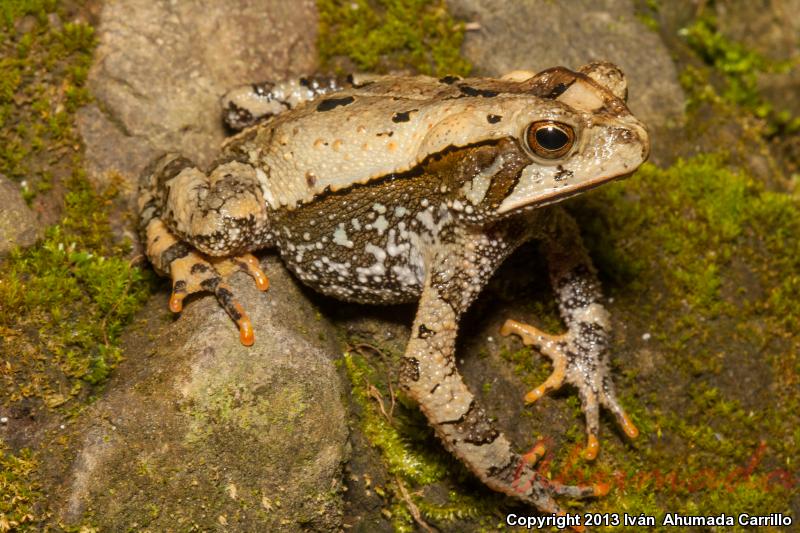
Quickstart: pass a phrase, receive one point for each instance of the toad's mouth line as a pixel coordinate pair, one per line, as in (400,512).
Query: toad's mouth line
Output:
(558,195)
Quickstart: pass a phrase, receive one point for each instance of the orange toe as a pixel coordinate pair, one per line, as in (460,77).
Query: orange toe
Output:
(176,301)
(628,427)
(254,268)
(602,488)
(262,281)
(246,335)
(536,453)
(535,394)
(592,448)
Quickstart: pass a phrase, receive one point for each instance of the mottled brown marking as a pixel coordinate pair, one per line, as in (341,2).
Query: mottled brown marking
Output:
(311,179)
(333,103)
(409,370)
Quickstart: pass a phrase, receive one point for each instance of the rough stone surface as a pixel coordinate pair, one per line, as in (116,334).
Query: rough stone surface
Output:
(162,66)
(18,224)
(539,34)
(772,29)
(197,430)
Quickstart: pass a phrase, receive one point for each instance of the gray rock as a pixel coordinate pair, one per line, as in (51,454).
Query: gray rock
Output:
(772,30)
(18,224)
(197,430)
(110,151)
(539,34)
(161,67)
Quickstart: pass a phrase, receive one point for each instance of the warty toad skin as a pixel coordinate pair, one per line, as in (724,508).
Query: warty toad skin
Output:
(399,189)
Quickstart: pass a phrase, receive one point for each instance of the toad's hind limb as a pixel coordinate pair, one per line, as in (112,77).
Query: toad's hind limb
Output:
(247,105)
(198,229)
(430,376)
(580,356)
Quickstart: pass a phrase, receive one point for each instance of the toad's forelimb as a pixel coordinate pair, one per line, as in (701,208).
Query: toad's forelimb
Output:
(580,356)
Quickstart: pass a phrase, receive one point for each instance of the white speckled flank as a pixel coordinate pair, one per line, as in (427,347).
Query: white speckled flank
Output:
(340,237)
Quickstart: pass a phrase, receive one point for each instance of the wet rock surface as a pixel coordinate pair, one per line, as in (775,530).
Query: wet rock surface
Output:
(773,33)
(162,66)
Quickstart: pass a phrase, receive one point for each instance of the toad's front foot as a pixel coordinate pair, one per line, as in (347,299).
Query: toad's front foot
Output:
(579,359)
(197,273)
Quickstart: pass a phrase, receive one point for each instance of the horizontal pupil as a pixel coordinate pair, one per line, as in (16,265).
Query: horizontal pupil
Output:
(551,138)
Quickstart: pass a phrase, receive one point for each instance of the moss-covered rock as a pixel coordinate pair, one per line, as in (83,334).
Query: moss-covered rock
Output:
(197,431)
(384,35)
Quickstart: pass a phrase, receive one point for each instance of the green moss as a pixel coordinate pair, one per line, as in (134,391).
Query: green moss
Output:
(686,252)
(12,10)
(738,69)
(382,35)
(404,444)
(67,298)
(223,402)
(527,365)
(705,259)
(18,490)
(647,13)
(691,219)
(64,301)
(42,82)
(404,458)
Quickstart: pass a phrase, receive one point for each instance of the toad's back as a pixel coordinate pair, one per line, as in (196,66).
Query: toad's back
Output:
(388,126)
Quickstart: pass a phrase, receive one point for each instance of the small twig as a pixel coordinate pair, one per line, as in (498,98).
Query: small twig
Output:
(372,391)
(412,507)
(361,345)
(138,258)
(376,395)
(393,399)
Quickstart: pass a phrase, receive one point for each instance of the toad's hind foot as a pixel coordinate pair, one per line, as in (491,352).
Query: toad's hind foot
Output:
(196,273)
(531,486)
(579,359)
(193,272)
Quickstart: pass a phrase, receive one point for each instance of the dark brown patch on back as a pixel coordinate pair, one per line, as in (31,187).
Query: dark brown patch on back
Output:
(562,173)
(472,91)
(506,178)
(405,116)
(333,103)
(558,90)
(409,370)
(424,332)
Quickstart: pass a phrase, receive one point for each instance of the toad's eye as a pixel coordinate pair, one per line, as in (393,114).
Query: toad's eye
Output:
(549,139)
